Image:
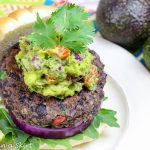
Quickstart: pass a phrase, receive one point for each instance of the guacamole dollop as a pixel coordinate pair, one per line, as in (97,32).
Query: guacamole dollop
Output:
(57,71)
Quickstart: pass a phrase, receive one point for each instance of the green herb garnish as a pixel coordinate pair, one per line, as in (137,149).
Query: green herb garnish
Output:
(23,141)
(68,27)
(2,75)
(105,98)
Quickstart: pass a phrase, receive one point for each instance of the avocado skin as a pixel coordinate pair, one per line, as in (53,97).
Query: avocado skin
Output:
(124,22)
(146,53)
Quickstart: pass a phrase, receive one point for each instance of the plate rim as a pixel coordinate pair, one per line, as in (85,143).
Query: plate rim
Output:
(134,71)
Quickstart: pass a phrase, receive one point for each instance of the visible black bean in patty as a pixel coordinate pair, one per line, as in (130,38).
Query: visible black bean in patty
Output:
(38,110)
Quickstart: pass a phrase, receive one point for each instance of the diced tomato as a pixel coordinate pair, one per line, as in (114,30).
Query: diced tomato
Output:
(60,52)
(58,120)
(63,53)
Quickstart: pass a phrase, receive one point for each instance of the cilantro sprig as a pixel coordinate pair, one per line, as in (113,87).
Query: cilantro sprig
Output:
(23,141)
(68,27)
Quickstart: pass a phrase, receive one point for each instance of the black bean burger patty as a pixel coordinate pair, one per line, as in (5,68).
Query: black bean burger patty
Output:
(38,110)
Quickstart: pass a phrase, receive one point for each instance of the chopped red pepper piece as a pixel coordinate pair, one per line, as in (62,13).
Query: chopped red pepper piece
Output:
(58,120)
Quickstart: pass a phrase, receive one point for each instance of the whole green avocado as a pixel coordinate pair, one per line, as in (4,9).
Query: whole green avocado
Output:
(124,22)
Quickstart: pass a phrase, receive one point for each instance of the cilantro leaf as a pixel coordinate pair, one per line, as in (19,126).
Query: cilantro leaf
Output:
(2,75)
(68,17)
(68,27)
(105,98)
(59,19)
(76,47)
(41,40)
(83,34)
(108,117)
(77,39)
(96,122)
(76,16)
(39,26)
(91,132)
(44,34)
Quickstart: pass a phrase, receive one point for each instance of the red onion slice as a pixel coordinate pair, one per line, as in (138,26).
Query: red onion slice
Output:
(77,57)
(49,133)
(36,62)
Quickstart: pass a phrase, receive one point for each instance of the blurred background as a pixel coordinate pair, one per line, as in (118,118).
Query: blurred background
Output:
(7,6)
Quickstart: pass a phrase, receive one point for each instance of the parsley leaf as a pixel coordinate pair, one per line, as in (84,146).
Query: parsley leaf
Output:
(68,27)
(2,75)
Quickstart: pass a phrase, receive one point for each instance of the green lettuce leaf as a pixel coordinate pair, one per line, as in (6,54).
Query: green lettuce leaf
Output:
(23,141)
(108,117)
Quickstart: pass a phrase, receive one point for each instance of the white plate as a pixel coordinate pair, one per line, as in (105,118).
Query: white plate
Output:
(135,80)
(116,101)
(111,136)
(131,78)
